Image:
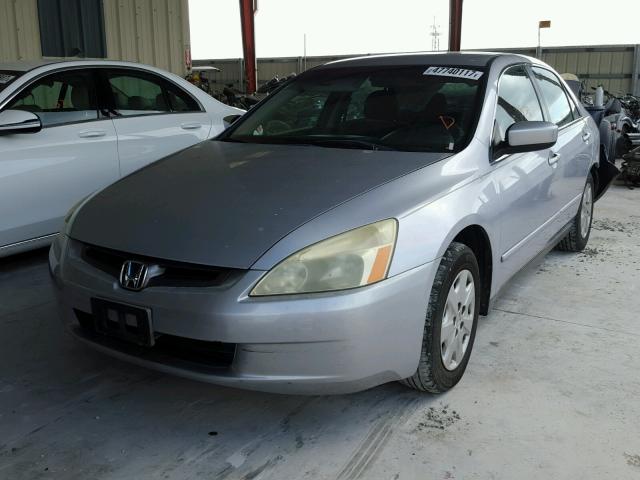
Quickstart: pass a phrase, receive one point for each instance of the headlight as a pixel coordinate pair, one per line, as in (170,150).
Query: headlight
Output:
(352,259)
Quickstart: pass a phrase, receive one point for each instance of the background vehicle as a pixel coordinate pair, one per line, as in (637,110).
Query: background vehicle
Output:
(616,116)
(70,128)
(384,201)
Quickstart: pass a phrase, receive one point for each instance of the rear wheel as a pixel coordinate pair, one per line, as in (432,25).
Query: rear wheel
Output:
(578,237)
(451,322)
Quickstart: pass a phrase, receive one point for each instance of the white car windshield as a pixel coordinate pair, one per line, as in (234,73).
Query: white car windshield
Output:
(407,108)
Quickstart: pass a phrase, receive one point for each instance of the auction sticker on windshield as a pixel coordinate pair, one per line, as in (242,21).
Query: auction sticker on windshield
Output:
(453,72)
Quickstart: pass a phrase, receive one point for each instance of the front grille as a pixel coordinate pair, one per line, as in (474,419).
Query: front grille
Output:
(176,274)
(168,349)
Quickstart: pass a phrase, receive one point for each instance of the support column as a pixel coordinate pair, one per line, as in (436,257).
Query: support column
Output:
(247,14)
(455,25)
(635,71)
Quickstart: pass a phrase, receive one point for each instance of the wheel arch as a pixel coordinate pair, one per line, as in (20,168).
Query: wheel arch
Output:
(477,239)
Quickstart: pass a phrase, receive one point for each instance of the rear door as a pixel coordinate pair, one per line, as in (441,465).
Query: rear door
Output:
(153,117)
(571,156)
(44,174)
(524,180)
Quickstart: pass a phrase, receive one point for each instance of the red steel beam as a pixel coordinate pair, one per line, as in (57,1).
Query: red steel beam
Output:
(247,14)
(455,25)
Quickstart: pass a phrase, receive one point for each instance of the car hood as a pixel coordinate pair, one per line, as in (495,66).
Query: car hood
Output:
(225,204)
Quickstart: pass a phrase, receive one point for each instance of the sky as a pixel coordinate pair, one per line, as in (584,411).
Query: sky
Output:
(343,27)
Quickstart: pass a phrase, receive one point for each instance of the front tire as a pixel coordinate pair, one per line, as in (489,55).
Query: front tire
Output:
(578,237)
(451,322)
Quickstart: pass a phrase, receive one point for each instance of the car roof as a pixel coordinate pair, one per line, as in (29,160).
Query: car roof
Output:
(25,65)
(28,65)
(471,59)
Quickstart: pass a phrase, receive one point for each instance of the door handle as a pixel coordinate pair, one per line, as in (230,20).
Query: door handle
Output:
(92,133)
(191,126)
(586,136)
(553,158)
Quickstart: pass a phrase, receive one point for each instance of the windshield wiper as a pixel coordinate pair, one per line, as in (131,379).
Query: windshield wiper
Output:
(355,143)
(347,143)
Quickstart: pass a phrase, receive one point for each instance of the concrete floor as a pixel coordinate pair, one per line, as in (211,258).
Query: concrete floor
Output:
(551,392)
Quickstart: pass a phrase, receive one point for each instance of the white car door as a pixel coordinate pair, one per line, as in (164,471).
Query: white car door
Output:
(43,174)
(153,117)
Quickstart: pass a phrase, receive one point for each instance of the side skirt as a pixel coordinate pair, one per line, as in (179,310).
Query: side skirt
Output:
(534,261)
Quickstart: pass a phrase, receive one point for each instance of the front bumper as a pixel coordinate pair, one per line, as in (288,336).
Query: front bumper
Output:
(305,344)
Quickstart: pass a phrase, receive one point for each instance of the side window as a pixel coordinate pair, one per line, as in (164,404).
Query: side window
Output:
(517,102)
(574,108)
(144,94)
(554,96)
(60,98)
(181,101)
(137,94)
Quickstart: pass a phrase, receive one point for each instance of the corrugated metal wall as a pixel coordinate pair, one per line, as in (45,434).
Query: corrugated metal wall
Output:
(614,66)
(155,32)
(19,30)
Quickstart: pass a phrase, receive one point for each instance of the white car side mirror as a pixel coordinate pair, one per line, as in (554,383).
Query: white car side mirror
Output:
(19,121)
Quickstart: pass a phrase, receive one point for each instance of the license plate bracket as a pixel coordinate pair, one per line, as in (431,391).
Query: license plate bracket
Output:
(125,322)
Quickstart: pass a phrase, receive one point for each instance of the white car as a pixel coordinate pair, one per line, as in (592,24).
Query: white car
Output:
(70,128)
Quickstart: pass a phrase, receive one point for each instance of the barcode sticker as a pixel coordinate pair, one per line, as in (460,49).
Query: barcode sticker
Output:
(453,72)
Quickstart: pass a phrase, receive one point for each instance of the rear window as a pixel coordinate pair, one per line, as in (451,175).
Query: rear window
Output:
(408,108)
(6,77)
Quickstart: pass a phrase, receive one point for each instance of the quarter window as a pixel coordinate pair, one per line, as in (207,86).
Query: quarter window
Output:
(554,96)
(65,97)
(142,94)
(517,102)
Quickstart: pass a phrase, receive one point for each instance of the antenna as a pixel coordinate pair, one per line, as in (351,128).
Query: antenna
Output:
(435,33)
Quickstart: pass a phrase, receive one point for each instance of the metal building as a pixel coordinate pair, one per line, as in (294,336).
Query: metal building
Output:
(155,32)
(616,67)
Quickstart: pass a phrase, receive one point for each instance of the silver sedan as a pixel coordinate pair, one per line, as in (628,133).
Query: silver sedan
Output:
(346,232)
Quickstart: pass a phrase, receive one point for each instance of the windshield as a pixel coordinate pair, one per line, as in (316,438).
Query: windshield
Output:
(408,108)
(6,77)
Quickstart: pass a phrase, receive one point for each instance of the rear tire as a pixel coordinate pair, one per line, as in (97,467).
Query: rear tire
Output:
(448,338)
(578,237)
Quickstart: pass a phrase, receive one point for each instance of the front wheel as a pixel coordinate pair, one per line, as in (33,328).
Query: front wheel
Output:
(451,321)
(578,237)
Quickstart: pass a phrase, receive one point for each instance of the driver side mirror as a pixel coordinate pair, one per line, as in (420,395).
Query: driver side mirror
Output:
(19,121)
(229,119)
(527,137)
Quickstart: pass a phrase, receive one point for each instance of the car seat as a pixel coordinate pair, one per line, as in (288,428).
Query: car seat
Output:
(161,103)
(80,98)
(137,102)
(381,105)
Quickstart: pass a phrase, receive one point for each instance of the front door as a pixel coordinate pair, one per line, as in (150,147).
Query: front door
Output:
(524,180)
(42,175)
